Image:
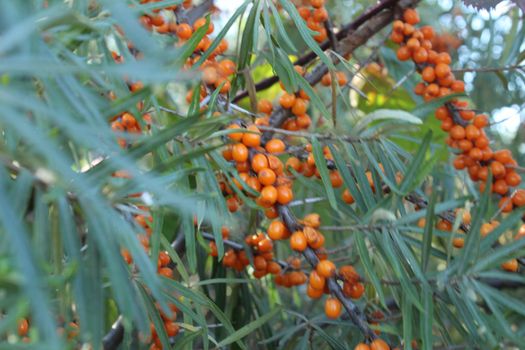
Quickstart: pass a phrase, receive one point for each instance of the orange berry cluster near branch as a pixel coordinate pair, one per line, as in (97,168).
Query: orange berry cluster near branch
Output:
(160,22)
(315,15)
(465,127)
(259,168)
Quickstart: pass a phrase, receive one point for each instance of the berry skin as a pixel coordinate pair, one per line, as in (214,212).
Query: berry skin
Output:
(23,327)
(287,100)
(184,31)
(411,16)
(264,106)
(362,346)
(252,140)
(519,198)
(277,230)
(240,152)
(275,146)
(284,195)
(267,176)
(316,281)
(298,241)
(511,265)
(268,195)
(259,162)
(326,268)
(379,344)
(332,308)
(403,53)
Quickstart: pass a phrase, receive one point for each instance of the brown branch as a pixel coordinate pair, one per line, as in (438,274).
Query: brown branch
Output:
(309,57)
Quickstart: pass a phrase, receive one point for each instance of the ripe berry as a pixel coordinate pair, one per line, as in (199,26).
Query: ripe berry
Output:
(442,70)
(362,346)
(287,100)
(277,230)
(519,198)
(284,195)
(268,195)
(298,241)
(403,53)
(316,281)
(326,268)
(332,308)
(429,75)
(264,106)
(411,16)
(275,146)
(379,344)
(240,152)
(184,31)
(259,162)
(511,265)
(252,140)
(23,327)
(267,176)
(314,293)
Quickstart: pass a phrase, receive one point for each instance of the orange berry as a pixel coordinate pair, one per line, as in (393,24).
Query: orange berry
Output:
(357,290)
(240,152)
(332,308)
(481,121)
(267,176)
(298,241)
(287,100)
(379,344)
(299,107)
(519,198)
(184,31)
(511,265)
(326,268)
(264,106)
(314,293)
(505,204)
(512,178)
(201,22)
(284,195)
(320,14)
(498,169)
(23,327)
(317,3)
(275,146)
(410,16)
(362,346)
(442,70)
(429,75)
(268,195)
(259,162)
(236,136)
(457,132)
(252,140)
(317,281)
(347,197)
(403,53)
(277,230)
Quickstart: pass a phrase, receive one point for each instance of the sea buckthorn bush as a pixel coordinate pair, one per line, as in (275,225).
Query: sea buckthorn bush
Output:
(273,174)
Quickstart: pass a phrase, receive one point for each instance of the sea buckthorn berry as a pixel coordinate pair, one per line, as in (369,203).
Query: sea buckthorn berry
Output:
(498,169)
(362,346)
(298,241)
(267,176)
(317,281)
(503,156)
(259,162)
(379,344)
(349,274)
(419,89)
(467,114)
(397,37)
(472,132)
(201,22)
(287,100)
(240,152)
(236,136)
(299,107)
(326,268)
(304,12)
(519,198)
(227,66)
(356,290)
(284,195)
(457,132)
(320,14)
(408,29)
(413,44)
(347,197)
(332,308)
(511,265)
(312,220)
(265,245)
(23,327)
(411,16)
(294,163)
(506,204)
(184,31)
(458,86)
(512,178)
(252,140)
(398,25)
(314,293)
(403,53)
(317,3)
(442,70)
(275,146)
(277,230)
(264,106)
(428,32)
(481,121)
(429,75)
(341,78)
(268,195)
(336,179)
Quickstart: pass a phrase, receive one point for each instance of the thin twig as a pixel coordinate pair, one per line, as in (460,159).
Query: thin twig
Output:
(490,69)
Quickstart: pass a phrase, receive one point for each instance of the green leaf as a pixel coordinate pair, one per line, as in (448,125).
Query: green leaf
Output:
(320,163)
(249,328)
(385,114)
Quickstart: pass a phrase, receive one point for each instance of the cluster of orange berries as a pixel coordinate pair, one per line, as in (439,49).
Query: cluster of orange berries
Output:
(170,326)
(464,126)
(71,330)
(315,15)
(215,73)
(259,168)
(376,344)
(160,23)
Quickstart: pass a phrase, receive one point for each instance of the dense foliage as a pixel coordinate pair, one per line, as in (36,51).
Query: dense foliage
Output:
(278,174)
